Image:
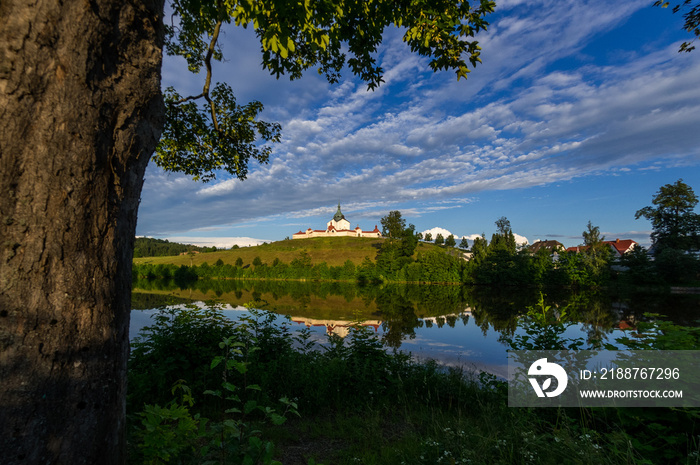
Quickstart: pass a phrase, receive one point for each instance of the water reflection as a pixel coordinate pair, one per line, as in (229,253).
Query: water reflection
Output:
(453,324)
(336,327)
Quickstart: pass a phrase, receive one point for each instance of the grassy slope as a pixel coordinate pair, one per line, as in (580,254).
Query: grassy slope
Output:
(332,250)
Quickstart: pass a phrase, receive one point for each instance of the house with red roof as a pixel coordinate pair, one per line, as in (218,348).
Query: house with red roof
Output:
(618,246)
(552,246)
(621,246)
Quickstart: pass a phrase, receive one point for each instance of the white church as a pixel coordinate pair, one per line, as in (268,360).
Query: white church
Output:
(338,226)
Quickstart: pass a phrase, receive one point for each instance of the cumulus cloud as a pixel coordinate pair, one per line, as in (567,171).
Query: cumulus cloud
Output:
(218,242)
(521,120)
(520,240)
(437,230)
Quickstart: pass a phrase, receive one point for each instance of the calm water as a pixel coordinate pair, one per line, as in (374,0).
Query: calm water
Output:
(454,325)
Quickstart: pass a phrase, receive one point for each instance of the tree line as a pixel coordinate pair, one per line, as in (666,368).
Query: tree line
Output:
(498,262)
(671,260)
(151,247)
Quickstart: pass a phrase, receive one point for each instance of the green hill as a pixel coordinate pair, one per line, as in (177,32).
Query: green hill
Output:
(332,250)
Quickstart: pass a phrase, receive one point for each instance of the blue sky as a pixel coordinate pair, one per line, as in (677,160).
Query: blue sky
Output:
(580,111)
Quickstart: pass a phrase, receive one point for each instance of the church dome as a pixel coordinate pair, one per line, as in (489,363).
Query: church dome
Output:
(338,215)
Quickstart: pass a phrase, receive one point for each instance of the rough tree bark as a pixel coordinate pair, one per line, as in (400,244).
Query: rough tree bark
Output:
(80,115)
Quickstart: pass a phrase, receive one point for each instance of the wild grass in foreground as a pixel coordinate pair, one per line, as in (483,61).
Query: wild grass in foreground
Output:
(204,389)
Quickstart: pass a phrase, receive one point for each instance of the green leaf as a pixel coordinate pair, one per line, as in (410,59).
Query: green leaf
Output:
(249,406)
(277,419)
(229,386)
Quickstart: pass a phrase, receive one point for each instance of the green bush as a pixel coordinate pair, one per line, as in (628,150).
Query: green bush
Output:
(179,345)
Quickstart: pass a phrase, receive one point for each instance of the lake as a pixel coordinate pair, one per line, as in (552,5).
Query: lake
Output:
(454,325)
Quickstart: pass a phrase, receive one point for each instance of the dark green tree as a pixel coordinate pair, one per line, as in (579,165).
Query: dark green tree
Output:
(393,225)
(638,266)
(464,244)
(674,266)
(542,266)
(397,253)
(503,239)
(150,247)
(409,241)
(674,222)
(479,253)
(428,237)
(591,236)
(450,241)
(479,249)
(503,226)
(93,69)
(436,266)
(439,240)
(596,253)
(503,268)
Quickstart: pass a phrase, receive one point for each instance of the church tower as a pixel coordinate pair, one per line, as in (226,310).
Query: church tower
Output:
(338,222)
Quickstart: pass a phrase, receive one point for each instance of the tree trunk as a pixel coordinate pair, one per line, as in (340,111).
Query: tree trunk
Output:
(80,115)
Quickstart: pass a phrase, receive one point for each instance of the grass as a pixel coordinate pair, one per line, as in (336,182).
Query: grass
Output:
(334,251)
(359,404)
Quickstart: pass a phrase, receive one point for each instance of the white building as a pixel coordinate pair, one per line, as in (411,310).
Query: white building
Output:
(338,226)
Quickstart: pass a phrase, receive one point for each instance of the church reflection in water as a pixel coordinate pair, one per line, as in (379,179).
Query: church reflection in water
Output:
(342,328)
(453,324)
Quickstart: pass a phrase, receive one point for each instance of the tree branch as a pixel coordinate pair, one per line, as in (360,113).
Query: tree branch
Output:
(207,82)
(191,97)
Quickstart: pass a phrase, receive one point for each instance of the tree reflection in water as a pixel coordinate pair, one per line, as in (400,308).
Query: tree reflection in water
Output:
(402,309)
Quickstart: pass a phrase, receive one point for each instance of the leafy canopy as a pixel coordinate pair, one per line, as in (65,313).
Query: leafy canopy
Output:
(596,253)
(294,37)
(393,224)
(503,239)
(673,220)
(591,236)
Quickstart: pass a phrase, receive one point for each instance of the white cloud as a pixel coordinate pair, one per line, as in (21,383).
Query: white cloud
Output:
(218,242)
(521,120)
(520,240)
(437,230)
